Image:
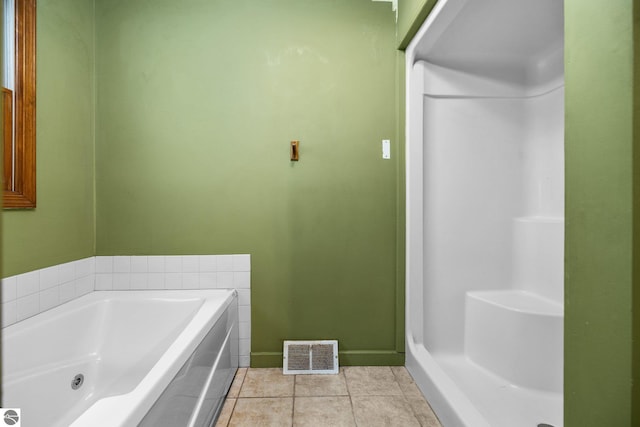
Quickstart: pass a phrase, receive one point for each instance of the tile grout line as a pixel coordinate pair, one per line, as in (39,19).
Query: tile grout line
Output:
(353,410)
(406,398)
(293,399)
(404,395)
(246,371)
(238,397)
(232,410)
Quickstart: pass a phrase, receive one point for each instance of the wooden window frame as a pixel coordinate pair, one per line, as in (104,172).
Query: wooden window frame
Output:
(7,137)
(21,194)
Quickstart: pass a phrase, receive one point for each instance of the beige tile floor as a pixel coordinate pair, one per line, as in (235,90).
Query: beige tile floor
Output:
(364,396)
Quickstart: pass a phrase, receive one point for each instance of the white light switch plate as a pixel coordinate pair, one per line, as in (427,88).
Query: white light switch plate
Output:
(386,149)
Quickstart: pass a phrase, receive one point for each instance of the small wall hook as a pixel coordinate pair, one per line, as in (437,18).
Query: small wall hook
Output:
(295,151)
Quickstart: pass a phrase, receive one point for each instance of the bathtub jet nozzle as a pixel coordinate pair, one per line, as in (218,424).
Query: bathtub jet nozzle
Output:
(77,381)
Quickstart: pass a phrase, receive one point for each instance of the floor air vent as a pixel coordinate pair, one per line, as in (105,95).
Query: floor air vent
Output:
(310,357)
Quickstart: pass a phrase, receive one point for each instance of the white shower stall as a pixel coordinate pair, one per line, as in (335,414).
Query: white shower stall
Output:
(485,212)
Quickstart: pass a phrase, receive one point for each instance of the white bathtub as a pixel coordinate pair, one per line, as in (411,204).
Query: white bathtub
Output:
(133,349)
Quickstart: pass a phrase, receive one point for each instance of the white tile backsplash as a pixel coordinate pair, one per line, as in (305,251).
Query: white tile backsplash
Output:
(156,264)
(67,272)
(28,306)
(9,292)
(244,296)
(208,263)
(173,264)
(190,264)
(241,280)
(49,277)
(140,281)
(49,298)
(40,290)
(9,313)
(225,262)
(121,264)
(190,280)
(173,280)
(104,282)
(241,263)
(85,267)
(224,279)
(208,281)
(84,285)
(139,264)
(121,281)
(244,313)
(28,283)
(156,281)
(28,294)
(67,292)
(245,360)
(244,346)
(104,264)
(244,330)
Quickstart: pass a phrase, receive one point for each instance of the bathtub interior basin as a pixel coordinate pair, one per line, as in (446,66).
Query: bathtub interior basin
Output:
(119,347)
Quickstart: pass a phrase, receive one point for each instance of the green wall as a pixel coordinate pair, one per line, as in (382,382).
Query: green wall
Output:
(411,15)
(636,208)
(197,103)
(61,228)
(600,174)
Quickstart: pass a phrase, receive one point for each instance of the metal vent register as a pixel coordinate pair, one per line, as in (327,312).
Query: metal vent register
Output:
(310,357)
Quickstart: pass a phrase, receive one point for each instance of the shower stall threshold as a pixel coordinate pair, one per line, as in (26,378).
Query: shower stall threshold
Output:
(501,403)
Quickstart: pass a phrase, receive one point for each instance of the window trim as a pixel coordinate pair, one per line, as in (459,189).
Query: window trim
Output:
(23,195)
(7,137)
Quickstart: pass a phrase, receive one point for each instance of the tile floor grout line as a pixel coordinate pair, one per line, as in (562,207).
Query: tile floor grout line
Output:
(346,383)
(406,398)
(227,398)
(244,376)
(353,411)
(413,410)
(353,408)
(232,409)
(293,399)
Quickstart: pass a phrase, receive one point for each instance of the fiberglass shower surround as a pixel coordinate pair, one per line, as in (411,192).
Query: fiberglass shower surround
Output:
(485,211)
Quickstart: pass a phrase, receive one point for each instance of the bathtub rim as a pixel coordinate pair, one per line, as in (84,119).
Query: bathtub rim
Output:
(129,408)
(89,299)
